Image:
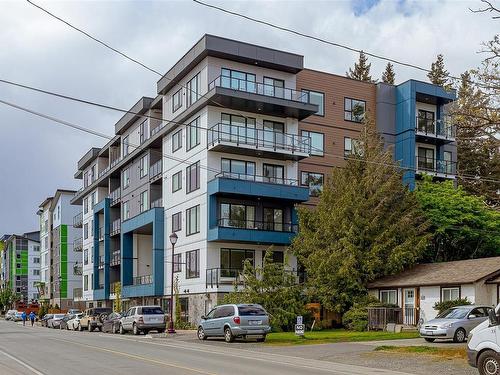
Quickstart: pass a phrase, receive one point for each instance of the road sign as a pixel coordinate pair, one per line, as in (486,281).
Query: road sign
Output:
(299,319)
(299,329)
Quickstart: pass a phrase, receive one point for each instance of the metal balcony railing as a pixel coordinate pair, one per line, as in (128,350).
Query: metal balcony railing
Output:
(104,171)
(260,88)
(77,270)
(157,203)
(115,227)
(258,138)
(78,244)
(436,165)
(155,170)
(115,258)
(440,128)
(220,275)
(115,196)
(142,280)
(101,262)
(78,220)
(255,178)
(257,225)
(100,233)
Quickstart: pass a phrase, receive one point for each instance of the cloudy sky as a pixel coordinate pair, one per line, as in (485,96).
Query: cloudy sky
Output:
(38,156)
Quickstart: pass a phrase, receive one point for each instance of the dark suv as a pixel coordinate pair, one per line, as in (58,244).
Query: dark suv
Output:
(93,318)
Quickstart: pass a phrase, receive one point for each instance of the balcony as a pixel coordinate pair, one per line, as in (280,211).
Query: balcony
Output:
(115,196)
(116,258)
(78,244)
(262,98)
(100,233)
(115,227)
(216,277)
(113,287)
(101,262)
(77,270)
(78,220)
(157,203)
(436,167)
(142,280)
(77,293)
(435,131)
(155,172)
(258,142)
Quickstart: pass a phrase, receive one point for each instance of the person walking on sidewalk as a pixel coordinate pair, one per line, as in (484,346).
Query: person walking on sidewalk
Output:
(23,317)
(32,318)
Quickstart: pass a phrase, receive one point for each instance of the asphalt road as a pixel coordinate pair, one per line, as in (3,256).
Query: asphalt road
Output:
(42,351)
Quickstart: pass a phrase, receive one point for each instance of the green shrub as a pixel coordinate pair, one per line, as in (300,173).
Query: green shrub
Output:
(356,319)
(442,306)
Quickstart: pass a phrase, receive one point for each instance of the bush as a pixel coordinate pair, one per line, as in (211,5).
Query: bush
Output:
(356,319)
(442,306)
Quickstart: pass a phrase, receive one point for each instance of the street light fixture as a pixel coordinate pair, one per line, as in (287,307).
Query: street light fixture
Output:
(173,241)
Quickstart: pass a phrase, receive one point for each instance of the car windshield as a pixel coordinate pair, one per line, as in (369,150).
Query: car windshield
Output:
(59,316)
(152,311)
(101,311)
(454,313)
(251,310)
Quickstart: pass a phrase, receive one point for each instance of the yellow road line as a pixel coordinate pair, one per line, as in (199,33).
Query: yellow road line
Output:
(144,359)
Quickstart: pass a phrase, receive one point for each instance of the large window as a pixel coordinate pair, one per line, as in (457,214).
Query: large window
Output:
(86,282)
(240,169)
(233,260)
(425,121)
(126,177)
(143,201)
(125,146)
(193,177)
(177,222)
(351,147)
(236,128)
(317,98)
(144,131)
(126,211)
(86,256)
(317,142)
(143,166)
(192,264)
(389,296)
(450,294)
(177,100)
(238,80)
(354,110)
(237,215)
(86,205)
(314,181)
(193,134)
(177,182)
(273,219)
(85,231)
(274,87)
(177,140)
(177,262)
(425,158)
(447,162)
(193,89)
(192,220)
(273,173)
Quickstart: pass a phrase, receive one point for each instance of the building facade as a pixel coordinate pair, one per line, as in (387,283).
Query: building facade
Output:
(236,138)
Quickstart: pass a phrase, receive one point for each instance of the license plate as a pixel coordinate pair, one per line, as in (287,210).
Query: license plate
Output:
(255,322)
(429,333)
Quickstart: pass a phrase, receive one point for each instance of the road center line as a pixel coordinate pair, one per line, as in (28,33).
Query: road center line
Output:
(22,363)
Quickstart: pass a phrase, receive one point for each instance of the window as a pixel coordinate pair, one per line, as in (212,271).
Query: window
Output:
(126,211)
(352,147)
(277,257)
(192,220)
(237,129)
(36,248)
(192,264)
(193,134)
(193,89)
(177,100)
(193,177)
(354,110)
(92,228)
(237,216)
(144,131)
(86,206)
(177,182)
(177,140)
(273,219)
(86,256)
(238,80)
(273,133)
(125,146)
(240,169)
(86,282)
(177,262)
(177,222)
(18,256)
(389,297)
(450,294)
(143,166)
(233,260)
(93,198)
(36,272)
(317,142)
(447,162)
(93,174)
(273,173)
(425,158)
(274,87)
(126,177)
(318,98)
(85,231)
(85,179)
(425,121)
(314,181)
(36,260)
(143,201)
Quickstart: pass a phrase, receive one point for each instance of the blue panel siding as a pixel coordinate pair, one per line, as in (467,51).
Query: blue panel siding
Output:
(99,295)
(153,216)
(258,189)
(250,235)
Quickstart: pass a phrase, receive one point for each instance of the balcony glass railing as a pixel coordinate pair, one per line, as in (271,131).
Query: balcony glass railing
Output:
(78,220)
(115,258)
(220,275)
(255,178)
(441,128)
(142,280)
(258,138)
(155,170)
(260,89)
(78,244)
(101,262)
(157,203)
(436,165)
(115,195)
(257,225)
(115,227)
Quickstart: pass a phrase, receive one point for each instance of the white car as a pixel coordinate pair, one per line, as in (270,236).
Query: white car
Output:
(10,314)
(74,323)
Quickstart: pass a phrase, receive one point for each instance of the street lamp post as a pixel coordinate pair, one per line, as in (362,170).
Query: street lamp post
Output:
(171,329)
(60,299)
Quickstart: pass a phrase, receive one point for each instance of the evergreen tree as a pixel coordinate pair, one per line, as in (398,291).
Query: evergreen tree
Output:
(438,74)
(361,70)
(389,76)
(367,224)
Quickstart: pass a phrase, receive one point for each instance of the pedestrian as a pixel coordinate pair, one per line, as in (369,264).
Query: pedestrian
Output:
(23,317)
(32,318)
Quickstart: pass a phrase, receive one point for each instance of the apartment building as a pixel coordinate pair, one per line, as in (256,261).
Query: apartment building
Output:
(236,138)
(21,264)
(61,250)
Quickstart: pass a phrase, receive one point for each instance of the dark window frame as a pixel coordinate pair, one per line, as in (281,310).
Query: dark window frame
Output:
(193,274)
(309,185)
(176,104)
(188,220)
(177,135)
(189,182)
(190,126)
(350,111)
(177,219)
(314,152)
(316,92)
(180,181)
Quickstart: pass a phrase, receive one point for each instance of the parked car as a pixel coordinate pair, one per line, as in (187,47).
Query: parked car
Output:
(45,319)
(231,321)
(18,316)
(74,322)
(73,311)
(10,314)
(93,318)
(454,323)
(143,319)
(55,321)
(64,321)
(112,323)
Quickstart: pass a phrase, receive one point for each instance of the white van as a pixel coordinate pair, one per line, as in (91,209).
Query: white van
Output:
(483,345)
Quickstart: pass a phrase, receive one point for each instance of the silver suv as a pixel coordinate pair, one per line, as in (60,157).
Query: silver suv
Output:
(143,319)
(231,321)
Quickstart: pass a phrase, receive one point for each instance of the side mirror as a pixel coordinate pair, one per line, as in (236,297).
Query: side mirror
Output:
(493,317)
(203,317)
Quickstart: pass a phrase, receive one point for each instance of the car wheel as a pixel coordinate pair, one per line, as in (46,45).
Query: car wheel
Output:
(80,328)
(488,363)
(115,329)
(122,331)
(228,335)
(460,335)
(135,330)
(100,329)
(428,339)
(261,339)
(201,333)
(90,328)
(161,330)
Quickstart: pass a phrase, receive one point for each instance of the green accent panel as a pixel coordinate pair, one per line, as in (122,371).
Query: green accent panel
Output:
(64,260)
(24,263)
